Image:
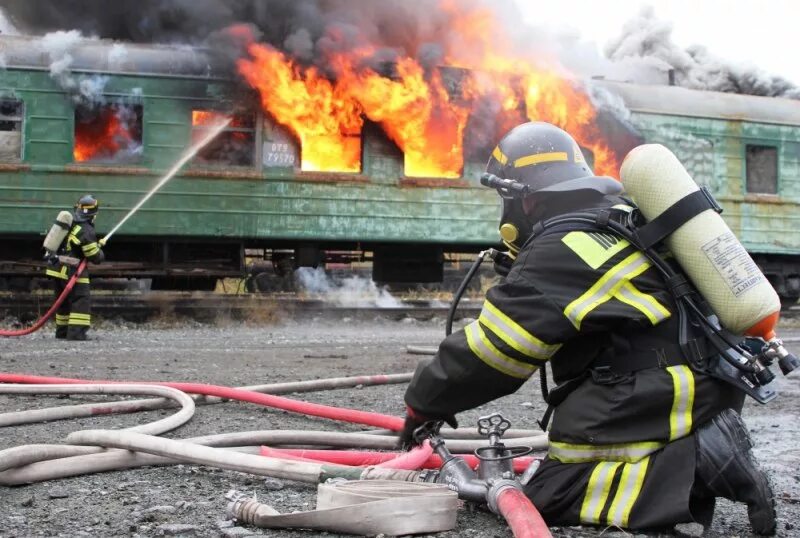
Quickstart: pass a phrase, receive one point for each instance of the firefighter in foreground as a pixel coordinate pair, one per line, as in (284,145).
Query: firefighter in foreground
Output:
(74,317)
(638,439)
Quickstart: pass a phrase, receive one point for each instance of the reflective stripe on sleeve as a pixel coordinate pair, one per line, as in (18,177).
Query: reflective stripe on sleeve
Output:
(644,303)
(90,249)
(606,287)
(513,334)
(680,417)
(493,357)
(630,485)
(597,491)
(625,452)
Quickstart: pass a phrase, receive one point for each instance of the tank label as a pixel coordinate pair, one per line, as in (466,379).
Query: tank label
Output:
(733,263)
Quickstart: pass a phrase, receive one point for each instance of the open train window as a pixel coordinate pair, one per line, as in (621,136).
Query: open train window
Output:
(761,169)
(234,146)
(11,113)
(110,134)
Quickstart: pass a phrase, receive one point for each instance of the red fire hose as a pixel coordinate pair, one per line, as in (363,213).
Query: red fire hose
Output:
(365,458)
(343,414)
(47,315)
(521,515)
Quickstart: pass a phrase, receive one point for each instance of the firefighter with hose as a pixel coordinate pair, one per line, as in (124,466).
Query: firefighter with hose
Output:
(640,438)
(71,239)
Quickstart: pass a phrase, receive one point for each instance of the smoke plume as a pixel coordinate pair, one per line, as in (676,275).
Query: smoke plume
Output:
(646,44)
(352,291)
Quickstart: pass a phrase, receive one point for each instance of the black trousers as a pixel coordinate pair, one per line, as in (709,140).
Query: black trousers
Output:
(74,316)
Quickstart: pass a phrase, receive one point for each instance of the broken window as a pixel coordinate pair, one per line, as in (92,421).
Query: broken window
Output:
(11,113)
(108,134)
(761,169)
(234,146)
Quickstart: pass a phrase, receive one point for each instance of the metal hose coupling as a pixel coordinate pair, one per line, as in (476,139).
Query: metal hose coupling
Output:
(497,487)
(245,509)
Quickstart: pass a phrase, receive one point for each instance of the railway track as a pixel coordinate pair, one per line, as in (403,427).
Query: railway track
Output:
(208,306)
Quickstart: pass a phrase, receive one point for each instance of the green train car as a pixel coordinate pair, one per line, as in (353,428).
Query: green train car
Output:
(246,192)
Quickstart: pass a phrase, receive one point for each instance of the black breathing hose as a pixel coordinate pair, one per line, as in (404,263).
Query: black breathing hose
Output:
(461,289)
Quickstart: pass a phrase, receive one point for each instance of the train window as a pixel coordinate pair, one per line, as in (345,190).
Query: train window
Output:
(108,134)
(761,169)
(11,113)
(234,146)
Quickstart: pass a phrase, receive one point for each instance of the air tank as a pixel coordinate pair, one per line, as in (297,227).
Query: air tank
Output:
(707,250)
(58,231)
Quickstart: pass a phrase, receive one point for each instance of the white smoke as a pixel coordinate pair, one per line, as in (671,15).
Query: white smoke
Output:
(5,25)
(645,44)
(84,90)
(352,291)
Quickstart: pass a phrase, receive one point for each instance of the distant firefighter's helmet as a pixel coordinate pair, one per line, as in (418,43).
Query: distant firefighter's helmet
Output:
(86,208)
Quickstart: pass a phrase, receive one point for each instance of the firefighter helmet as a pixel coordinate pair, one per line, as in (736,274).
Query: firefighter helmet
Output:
(549,161)
(86,208)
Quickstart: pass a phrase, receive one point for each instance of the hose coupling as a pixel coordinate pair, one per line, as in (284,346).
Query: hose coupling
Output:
(495,488)
(245,509)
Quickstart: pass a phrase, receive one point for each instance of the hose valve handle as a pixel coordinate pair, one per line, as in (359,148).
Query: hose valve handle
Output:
(493,426)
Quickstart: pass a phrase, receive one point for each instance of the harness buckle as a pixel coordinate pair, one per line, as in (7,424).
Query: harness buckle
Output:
(603,375)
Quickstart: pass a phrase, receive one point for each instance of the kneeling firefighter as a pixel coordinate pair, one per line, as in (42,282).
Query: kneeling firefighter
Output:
(71,239)
(640,437)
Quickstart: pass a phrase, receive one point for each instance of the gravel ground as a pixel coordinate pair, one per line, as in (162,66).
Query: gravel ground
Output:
(188,501)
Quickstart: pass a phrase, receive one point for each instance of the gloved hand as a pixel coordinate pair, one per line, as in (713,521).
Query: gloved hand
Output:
(102,242)
(405,438)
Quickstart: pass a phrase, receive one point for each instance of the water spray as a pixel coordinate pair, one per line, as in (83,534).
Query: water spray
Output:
(214,129)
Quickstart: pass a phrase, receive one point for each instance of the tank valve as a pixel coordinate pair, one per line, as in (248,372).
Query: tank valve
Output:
(787,362)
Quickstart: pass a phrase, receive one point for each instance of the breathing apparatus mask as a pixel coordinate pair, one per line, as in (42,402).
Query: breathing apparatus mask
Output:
(86,209)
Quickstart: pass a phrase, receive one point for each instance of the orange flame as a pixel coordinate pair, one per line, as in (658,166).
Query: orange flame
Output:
(413,105)
(103,137)
(325,120)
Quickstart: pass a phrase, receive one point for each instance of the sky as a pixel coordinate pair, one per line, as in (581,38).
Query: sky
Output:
(765,33)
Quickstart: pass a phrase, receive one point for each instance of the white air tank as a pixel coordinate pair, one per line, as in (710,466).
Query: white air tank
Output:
(707,250)
(58,231)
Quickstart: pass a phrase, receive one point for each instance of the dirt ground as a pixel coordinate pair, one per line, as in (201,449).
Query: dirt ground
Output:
(187,500)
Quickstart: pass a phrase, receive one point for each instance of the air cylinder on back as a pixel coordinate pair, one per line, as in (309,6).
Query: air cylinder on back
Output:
(707,250)
(58,231)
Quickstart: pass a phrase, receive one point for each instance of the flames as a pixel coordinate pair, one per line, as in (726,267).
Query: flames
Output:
(424,115)
(102,136)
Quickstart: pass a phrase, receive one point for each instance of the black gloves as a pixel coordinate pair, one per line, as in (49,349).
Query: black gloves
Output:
(414,420)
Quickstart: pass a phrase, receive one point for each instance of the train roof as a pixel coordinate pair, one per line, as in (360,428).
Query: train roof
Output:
(677,101)
(115,58)
(124,58)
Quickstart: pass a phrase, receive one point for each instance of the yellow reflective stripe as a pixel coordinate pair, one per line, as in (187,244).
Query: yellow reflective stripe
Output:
(499,155)
(595,249)
(597,491)
(79,315)
(62,319)
(605,288)
(58,274)
(626,452)
(83,280)
(538,158)
(90,249)
(630,485)
(493,357)
(680,417)
(80,319)
(644,303)
(514,334)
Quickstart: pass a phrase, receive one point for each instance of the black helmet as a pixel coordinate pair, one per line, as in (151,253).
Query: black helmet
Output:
(86,208)
(549,161)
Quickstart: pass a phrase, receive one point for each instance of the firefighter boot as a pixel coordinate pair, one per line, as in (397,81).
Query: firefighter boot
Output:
(77,332)
(61,332)
(727,468)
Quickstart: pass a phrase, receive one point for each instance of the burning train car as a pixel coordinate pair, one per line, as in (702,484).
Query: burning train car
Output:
(329,166)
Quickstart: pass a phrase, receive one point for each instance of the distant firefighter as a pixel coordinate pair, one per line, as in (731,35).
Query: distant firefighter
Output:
(71,239)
